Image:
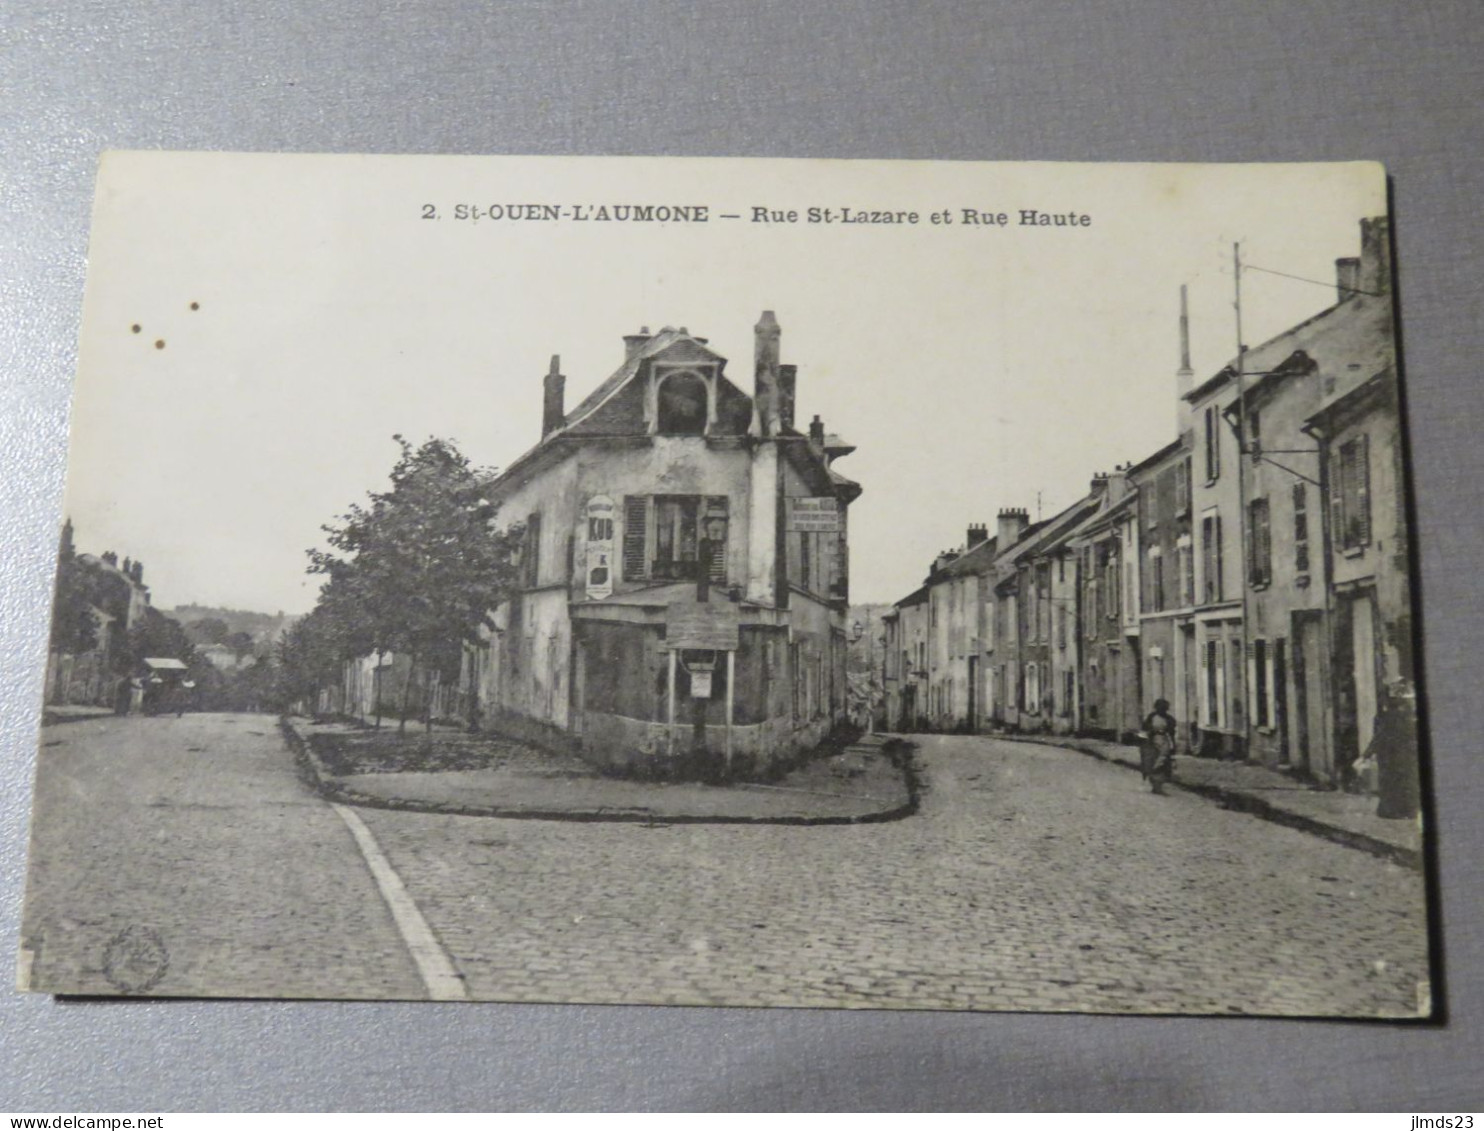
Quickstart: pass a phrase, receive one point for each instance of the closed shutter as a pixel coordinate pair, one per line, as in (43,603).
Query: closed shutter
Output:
(1216,526)
(716,506)
(635,537)
(1363,490)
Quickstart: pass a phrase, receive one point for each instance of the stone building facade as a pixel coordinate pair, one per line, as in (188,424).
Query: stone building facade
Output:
(685,567)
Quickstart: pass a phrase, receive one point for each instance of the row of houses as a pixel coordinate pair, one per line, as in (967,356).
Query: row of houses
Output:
(683,579)
(1253,572)
(97,602)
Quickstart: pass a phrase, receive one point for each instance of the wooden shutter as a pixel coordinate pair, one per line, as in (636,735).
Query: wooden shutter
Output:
(532,561)
(1216,526)
(1300,528)
(717,505)
(1362,482)
(635,537)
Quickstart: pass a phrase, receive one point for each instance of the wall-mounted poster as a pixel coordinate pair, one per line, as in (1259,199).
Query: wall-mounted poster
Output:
(600,517)
(925,585)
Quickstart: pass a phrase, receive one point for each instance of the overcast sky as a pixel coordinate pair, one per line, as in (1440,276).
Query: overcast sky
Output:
(974,367)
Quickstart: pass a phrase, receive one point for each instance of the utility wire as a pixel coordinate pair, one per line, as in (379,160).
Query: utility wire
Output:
(1316,282)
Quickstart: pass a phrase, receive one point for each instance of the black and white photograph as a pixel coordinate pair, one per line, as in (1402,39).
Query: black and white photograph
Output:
(736,582)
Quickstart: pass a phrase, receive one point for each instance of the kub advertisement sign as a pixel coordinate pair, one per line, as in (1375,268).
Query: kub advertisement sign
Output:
(599,548)
(814,515)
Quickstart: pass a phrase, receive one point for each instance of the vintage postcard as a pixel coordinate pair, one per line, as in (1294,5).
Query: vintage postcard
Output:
(735,582)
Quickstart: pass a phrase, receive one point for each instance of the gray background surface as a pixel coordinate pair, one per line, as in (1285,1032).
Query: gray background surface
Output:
(1166,80)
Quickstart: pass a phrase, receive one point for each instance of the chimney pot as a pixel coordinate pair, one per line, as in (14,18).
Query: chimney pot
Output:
(553,389)
(633,343)
(788,383)
(1011,525)
(1375,256)
(765,398)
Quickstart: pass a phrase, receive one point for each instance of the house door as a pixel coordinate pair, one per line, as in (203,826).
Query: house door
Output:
(973,711)
(1280,698)
(1363,651)
(1310,729)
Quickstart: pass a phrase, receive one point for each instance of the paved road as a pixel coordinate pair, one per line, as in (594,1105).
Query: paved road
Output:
(196,834)
(1033,878)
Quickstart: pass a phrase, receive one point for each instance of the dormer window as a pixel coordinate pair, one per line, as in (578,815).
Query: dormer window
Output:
(683,405)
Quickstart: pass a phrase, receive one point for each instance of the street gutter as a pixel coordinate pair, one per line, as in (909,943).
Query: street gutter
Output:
(1243,801)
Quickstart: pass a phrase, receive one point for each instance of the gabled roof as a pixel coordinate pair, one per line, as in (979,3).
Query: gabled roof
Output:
(981,556)
(621,376)
(916,597)
(611,387)
(1048,534)
(1356,331)
(1174,447)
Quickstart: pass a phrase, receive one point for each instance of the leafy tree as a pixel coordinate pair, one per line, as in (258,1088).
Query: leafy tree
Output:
(241,643)
(418,570)
(74,627)
(207,630)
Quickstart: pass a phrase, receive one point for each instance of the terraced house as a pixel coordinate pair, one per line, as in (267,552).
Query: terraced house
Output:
(1254,572)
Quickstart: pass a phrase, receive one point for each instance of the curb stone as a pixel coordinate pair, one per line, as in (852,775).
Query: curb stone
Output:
(314,773)
(1242,802)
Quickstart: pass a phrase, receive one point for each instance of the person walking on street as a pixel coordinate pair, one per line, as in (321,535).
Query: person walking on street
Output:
(1157,751)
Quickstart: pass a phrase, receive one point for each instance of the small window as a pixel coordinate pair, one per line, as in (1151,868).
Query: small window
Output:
(1300,528)
(1260,543)
(682,405)
(530,558)
(1182,488)
(1213,443)
(1211,558)
(1352,495)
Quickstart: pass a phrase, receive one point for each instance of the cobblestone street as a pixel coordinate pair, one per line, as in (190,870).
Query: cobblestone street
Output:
(1034,878)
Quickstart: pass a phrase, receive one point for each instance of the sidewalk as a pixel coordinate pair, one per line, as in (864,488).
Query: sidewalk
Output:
(72,713)
(860,784)
(1346,818)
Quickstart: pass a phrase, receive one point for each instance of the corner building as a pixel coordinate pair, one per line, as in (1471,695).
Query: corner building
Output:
(685,569)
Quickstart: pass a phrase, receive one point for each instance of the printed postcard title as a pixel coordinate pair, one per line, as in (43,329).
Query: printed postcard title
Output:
(758,214)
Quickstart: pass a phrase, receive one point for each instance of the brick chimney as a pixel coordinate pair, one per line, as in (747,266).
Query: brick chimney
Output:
(765,398)
(1375,255)
(788,382)
(977,533)
(816,432)
(553,388)
(944,559)
(1011,526)
(633,343)
(1347,277)
(1185,375)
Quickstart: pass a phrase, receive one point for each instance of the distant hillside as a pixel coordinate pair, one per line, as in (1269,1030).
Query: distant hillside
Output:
(203,623)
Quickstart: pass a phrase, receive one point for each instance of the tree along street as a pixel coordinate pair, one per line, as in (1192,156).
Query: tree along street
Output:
(1033,878)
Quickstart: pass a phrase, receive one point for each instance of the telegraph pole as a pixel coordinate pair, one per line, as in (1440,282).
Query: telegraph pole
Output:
(1242,532)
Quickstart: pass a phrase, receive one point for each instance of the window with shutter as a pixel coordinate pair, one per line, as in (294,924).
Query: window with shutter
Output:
(531,552)
(1351,495)
(635,537)
(1300,528)
(1220,591)
(717,530)
(1213,443)
(1260,536)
